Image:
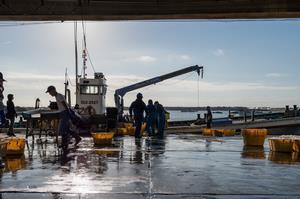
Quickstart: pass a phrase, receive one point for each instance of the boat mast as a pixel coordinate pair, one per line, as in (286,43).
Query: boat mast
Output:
(76,60)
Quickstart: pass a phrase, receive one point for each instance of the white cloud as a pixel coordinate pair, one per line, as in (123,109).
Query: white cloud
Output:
(219,52)
(273,75)
(5,43)
(185,57)
(146,59)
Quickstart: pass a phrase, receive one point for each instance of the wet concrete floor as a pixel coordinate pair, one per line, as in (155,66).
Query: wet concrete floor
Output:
(180,166)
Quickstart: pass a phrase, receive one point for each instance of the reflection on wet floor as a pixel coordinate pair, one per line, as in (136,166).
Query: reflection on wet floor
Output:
(253,152)
(179,166)
(284,158)
(13,164)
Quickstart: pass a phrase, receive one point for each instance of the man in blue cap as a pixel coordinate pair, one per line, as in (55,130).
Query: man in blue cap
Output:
(138,107)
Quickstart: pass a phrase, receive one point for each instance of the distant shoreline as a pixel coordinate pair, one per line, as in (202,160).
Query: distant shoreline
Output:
(185,109)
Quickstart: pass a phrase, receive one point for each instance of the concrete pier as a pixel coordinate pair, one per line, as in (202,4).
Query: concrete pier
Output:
(180,166)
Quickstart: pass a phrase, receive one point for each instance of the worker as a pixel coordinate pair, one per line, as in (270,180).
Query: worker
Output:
(138,107)
(11,114)
(209,117)
(160,118)
(2,115)
(64,122)
(150,118)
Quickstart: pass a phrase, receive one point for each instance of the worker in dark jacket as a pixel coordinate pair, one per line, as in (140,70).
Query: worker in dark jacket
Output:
(11,114)
(150,118)
(209,117)
(161,118)
(138,107)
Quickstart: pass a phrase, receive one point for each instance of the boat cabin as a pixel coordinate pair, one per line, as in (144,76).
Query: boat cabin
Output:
(91,94)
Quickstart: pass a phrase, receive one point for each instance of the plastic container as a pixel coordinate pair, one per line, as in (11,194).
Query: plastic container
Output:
(131,131)
(254,137)
(286,144)
(297,142)
(12,146)
(217,133)
(127,125)
(121,131)
(102,138)
(207,132)
(228,132)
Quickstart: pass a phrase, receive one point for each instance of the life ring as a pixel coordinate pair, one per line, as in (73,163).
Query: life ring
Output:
(90,110)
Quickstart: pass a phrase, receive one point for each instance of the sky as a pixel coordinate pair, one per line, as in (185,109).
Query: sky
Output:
(246,63)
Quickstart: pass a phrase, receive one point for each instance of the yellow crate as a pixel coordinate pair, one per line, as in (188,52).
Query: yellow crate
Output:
(254,137)
(127,125)
(228,132)
(283,145)
(208,132)
(131,131)
(121,131)
(297,142)
(12,146)
(218,132)
(101,138)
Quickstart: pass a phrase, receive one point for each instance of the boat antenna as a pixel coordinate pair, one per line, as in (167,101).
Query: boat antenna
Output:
(66,82)
(84,52)
(76,58)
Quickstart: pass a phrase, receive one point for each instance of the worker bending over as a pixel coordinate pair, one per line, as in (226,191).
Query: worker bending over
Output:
(64,122)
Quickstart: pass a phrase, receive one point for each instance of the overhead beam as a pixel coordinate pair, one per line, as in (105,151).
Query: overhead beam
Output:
(40,10)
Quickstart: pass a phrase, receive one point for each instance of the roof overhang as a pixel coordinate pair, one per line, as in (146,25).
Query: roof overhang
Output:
(46,10)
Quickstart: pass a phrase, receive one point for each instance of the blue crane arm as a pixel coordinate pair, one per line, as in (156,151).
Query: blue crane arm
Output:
(120,93)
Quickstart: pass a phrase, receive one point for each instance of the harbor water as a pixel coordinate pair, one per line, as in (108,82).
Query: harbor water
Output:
(182,116)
